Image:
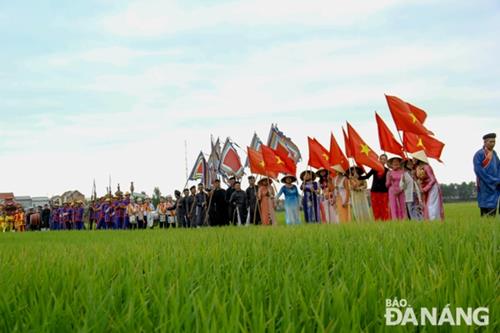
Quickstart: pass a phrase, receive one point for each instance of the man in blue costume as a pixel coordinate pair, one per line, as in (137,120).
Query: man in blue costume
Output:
(487,169)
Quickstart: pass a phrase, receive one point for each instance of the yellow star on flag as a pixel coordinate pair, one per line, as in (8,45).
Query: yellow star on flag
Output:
(420,143)
(413,117)
(279,161)
(365,150)
(325,156)
(262,164)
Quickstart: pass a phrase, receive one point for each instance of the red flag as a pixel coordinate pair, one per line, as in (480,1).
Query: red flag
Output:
(431,146)
(418,112)
(337,157)
(387,141)
(256,162)
(363,154)
(290,164)
(274,164)
(230,163)
(319,157)
(347,145)
(403,116)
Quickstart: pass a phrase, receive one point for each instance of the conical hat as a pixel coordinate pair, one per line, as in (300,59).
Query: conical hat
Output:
(420,156)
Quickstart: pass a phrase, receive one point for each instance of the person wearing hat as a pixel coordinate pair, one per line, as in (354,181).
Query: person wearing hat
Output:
(323,176)
(201,203)
(379,196)
(218,205)
(292,203)
(487,170)
(78,215)
(252,203)
(132,211)
(397,199)
(432,197)
(413,193)
(359,200)
(265,197)
(191,207)
(239,202)
(229,192)
(162,213)
(54,217)
(310,200)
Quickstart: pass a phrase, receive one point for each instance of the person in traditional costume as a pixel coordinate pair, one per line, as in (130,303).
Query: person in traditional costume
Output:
(397,200)
(118,210)
(191,204)
(126,217)
(171,217)
(162,213)
(101,207)
(331,205)
(265,196)
(45,215)
(379,196)
(54,217)
(413,194)
(67,216)
(239,202)
(201,202)
(432,196)
(132,212)
(229,192)
(359,199)
(19,222)
(3,218)
(179,209)
(141,213)
(78,215)
(292,199)
(487,170)
(183,209)
(149,213)
(218,205)
(252,202)
(323,177)
(342,194)
(310,200)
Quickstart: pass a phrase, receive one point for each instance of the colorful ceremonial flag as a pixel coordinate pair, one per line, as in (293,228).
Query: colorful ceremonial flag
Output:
(230,163)
(337,157)
(199,169)
(256,162)
(363,154)
(431,146)
(387,141)
(403,116)
(347,144)
(278,141)
(213,161)
(319,157)
(273,163)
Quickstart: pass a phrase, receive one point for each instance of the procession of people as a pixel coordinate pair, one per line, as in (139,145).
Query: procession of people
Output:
(403,185)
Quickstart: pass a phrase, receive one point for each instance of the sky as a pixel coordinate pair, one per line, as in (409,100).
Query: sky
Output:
(95,88)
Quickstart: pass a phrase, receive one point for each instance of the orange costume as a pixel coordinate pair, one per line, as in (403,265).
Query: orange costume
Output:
(265,195)
(19,220)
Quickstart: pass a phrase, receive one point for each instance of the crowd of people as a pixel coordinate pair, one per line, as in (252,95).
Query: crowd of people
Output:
(407,189)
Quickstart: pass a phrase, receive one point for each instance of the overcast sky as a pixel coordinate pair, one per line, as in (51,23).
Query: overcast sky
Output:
(98,87)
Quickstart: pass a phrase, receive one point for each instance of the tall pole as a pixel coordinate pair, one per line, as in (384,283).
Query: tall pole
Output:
(186,158)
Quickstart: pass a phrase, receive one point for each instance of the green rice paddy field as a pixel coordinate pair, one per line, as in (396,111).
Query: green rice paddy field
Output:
(311,278)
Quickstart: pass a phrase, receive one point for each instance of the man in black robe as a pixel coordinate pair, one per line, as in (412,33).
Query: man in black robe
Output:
(253,209)
(229,192)
(238,201)
(218,205)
